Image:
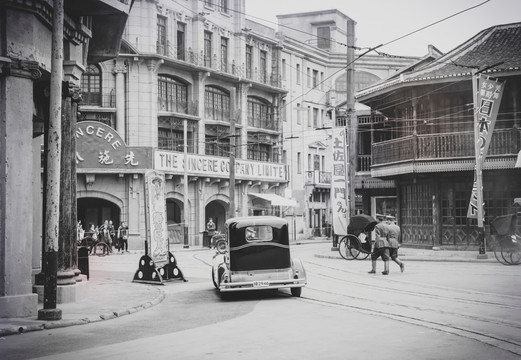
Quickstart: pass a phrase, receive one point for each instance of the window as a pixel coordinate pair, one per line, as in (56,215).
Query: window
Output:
(263,66)
(299,163)
(324,36)
(316,162)
(249,61)
(299,119)
(172,95)
(181,41)
(207,49)
(223,6)
(217,141)
(91,86)
(161,35)
(315,118)
(171,134)
(283,69)
(321,80)
(310,162)
(308,76)
(283,111)
(298,74)
(258,151)
(309,116)
(260,114)
(315,78)
(224,54)
(217,104)
(208,3)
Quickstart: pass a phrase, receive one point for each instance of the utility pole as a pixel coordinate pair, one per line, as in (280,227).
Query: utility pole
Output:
(186,208)
(351,121)
(235,114)
(52,203)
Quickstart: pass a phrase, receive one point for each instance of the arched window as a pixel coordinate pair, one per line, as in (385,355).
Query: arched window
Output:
(217,104)
(172,95)
(91,86)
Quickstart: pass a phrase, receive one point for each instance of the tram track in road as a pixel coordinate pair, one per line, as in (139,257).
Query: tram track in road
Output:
(421,307)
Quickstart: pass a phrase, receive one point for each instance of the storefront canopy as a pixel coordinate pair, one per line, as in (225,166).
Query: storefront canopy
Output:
(276,200)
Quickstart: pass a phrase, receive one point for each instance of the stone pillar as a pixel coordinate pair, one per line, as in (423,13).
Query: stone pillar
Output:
(199,81)
(17,174)
(119,71)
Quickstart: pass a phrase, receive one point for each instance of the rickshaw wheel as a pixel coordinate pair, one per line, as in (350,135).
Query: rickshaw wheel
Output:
(344,248)
(511,254)
(296,291)
(498,254)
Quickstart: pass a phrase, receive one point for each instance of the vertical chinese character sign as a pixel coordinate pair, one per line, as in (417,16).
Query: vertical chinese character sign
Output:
(157,232)
(489,93)
(339,203)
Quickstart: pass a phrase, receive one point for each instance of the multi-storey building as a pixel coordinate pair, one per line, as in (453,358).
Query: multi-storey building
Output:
(202,78)
(195,84)
(427,144)
(91,32)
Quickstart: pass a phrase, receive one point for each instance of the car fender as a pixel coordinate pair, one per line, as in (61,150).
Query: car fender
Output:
(298,268)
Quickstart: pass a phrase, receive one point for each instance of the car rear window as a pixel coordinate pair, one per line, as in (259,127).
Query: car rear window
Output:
(259,233)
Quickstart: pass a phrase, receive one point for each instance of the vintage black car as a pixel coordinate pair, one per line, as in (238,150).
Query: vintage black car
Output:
(257,257)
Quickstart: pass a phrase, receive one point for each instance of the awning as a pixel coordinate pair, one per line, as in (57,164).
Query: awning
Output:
(276,200)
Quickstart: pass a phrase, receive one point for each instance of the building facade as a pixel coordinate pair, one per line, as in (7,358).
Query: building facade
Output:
(427,145)
(25,64)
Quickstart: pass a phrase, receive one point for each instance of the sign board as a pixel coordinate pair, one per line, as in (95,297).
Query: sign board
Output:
(155,209)
(203,165)
(339,203)
(99,146)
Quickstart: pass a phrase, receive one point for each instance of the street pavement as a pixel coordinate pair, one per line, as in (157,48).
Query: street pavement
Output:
(108,296)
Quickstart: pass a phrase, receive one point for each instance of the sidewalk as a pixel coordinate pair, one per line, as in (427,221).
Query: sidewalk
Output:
(107,298)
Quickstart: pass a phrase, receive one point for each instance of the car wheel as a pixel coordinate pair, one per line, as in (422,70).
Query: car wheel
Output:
(296,291)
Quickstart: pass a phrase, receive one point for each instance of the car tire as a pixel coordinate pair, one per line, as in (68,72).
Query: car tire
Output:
(296,291)
(213,280)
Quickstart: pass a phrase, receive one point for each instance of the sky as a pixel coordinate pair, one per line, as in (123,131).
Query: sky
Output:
(382,21)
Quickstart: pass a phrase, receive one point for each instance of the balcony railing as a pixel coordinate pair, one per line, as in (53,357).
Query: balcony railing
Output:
(174,105)
(98,99)
(317,177)
(268,122)
(443,146)
(229,67)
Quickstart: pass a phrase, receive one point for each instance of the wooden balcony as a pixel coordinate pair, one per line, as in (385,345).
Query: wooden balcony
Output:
(448,148)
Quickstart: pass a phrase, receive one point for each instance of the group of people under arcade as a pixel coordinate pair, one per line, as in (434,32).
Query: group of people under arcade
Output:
(386,244)
(107,233)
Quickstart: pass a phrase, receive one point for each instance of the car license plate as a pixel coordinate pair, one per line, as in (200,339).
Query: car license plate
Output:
(261,283)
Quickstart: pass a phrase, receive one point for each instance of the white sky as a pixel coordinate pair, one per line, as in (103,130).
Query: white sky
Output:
(381,21)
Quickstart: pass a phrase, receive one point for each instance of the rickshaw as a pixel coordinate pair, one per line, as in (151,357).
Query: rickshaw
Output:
(95,244)
(507,244)
(257,257)
(357,243)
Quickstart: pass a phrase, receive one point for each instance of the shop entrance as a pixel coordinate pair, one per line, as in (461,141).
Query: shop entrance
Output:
(95,211)
(216,210)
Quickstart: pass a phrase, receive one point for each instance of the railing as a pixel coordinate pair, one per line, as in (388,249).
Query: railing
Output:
(268,123)
(174,105)
(364,163)
(214,63)
(443,146)
(98,99)
(317,177)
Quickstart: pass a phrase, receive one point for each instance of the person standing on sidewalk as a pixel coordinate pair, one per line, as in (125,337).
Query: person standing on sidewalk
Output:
(393,238)
(123,237)
(380,247)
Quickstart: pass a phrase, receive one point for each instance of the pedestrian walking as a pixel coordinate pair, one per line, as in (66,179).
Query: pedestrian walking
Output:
(123,237)
(393,237)
(380,247)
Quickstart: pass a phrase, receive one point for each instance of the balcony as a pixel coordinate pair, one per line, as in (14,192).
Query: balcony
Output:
(318,178)
(266,123)
(98,99)
(178,106)
(442,148)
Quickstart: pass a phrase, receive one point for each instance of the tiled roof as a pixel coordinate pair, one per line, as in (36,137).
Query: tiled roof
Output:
(501,43)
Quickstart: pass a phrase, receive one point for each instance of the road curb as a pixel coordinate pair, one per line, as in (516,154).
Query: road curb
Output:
(414,258)
(13,330)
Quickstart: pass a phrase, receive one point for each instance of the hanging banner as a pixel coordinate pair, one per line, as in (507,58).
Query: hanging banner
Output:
(339,191)
(489,96)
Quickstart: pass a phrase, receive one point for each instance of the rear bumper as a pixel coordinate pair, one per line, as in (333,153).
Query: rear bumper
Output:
(249,285)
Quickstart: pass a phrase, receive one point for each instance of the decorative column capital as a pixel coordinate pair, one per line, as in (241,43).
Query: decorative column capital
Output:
(119,68)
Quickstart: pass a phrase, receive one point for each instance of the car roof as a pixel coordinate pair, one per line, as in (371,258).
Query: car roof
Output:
(256,220)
